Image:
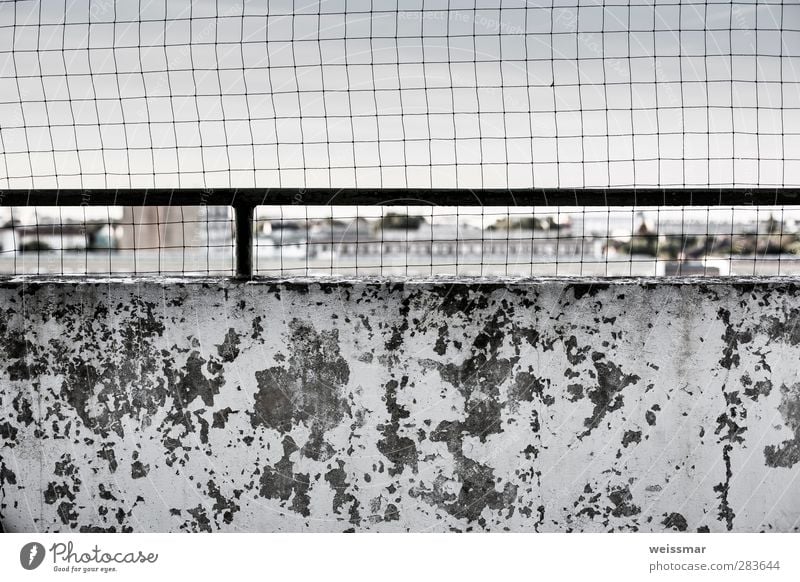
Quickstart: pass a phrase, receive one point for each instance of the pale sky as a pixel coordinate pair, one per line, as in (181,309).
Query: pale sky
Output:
(403,93)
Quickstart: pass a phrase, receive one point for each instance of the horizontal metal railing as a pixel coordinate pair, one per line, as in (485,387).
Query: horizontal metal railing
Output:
(436,196)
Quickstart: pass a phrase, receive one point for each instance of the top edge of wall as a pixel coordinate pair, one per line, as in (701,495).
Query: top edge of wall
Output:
(227,282)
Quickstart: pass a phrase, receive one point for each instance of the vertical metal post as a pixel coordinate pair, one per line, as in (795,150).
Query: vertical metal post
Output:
(243,223)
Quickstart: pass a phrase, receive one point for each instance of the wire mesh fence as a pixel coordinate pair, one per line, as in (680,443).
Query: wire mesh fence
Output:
(501,93)
(342,241)
(145,240)
(568,241)
(574,101)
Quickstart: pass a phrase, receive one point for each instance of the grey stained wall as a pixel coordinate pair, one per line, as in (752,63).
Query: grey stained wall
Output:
(388,406)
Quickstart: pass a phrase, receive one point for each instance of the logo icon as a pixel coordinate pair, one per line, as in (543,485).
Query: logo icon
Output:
(31,555)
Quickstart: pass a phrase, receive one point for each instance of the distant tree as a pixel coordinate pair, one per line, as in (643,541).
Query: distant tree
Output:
(394,220)
(773,225)
(524,223)
(34,246)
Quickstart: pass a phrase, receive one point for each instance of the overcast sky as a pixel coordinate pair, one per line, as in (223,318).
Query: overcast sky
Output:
(97,93)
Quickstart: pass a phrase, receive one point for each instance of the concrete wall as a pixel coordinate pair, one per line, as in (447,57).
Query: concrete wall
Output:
(427,406)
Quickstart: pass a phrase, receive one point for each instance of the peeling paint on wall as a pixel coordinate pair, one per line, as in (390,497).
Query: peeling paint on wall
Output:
(436,405)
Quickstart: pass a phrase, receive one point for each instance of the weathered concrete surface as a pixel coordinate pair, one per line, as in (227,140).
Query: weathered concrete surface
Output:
(375,406)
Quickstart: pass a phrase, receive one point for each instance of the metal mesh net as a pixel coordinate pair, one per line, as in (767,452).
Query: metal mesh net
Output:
(318,241)
(500,93)
(406,97)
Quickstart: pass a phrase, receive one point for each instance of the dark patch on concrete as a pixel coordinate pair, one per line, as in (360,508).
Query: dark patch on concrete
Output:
(203,426)
(24,359)
(139,470)
(222,505)
(337,478)
(64,492)
(787,454)
(581,290)
(732,338)
(575,392)
(575,355)
(398,331)
(675,521)
(607,395)
(258,330)
(220,417)
(317,448)
(193,381)
(308,390)
(441,341)
(526,386)
(107,453)
(723,489)
(102,362)
(6,475)
(8,433)
(479,377)
(477,482)
(56,491)
(275,405)
(785,329)
(622,500)
(22,406)
(588,502)
(762,388)
(400,450)
(66,512)
(391,513)
(228,350)
(729,422)
(105,494)
(200,521)
(281,482)
(460,300)
(631,436)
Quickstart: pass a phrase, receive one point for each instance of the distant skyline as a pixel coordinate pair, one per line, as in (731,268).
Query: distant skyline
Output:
(474,216)
(102,93)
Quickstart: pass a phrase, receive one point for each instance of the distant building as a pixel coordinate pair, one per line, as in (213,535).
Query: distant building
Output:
(165,227)
(216,227)
(56,236)
(347,238)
